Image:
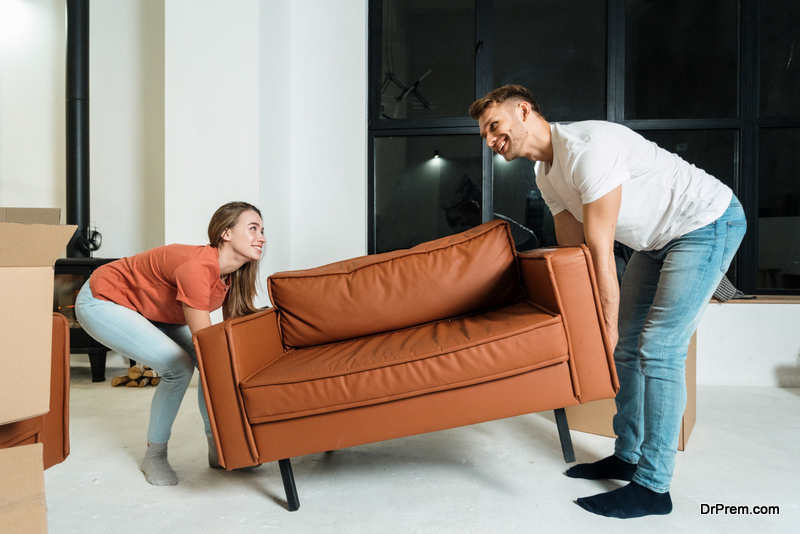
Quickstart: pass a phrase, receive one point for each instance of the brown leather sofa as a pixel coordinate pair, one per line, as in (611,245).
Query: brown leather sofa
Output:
(453,332)
(52,428)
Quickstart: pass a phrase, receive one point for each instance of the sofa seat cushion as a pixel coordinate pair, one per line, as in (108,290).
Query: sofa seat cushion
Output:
(404,363)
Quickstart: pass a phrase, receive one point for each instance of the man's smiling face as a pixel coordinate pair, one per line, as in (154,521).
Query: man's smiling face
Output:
(502,127)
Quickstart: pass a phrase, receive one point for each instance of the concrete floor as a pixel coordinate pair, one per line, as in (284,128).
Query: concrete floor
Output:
(498,477)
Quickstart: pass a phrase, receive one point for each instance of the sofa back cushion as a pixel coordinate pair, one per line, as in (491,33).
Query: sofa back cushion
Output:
(448,277)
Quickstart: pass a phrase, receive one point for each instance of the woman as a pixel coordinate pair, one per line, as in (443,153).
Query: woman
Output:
(147,307)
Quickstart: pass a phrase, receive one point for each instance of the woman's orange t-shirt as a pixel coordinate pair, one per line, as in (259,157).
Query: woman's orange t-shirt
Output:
(157,282)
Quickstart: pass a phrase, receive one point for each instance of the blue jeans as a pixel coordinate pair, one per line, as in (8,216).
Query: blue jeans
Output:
(662,299)
(165,348)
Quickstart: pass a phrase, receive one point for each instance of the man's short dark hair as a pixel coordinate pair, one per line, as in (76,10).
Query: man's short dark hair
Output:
(507,93)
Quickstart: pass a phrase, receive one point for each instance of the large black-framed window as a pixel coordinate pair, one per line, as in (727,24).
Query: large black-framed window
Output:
(714,81)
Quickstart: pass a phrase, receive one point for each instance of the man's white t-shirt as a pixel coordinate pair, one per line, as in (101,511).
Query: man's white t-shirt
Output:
(663,197)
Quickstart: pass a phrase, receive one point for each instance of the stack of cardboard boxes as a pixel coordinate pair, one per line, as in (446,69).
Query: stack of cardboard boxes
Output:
(31,239)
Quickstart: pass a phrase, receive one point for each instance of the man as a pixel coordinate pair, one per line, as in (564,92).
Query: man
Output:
(603,182)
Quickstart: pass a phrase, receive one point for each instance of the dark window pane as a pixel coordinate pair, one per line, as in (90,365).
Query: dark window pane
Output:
(557,49)
(681,59)
(518,200)
(419,197)
(779,209)
(714,151)
(428,58)
(780,58)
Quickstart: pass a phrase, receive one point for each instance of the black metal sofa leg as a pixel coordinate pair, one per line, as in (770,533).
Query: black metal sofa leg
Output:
(288,484)
(563,435)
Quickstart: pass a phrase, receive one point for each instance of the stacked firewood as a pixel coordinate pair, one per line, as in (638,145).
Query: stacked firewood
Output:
(138,376)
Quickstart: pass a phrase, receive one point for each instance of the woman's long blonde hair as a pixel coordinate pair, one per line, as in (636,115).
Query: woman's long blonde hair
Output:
(244,280)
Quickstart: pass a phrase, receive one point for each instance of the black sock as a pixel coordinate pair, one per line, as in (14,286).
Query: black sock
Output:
(611,467)
(627,502)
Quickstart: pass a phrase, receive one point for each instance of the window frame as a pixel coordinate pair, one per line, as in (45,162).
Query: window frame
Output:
(747,125)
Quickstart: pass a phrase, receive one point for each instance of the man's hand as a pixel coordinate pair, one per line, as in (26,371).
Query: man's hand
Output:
(613,337)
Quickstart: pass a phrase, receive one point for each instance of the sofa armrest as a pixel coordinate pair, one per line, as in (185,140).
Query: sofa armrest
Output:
(55,423)
(228,353)
(561,279)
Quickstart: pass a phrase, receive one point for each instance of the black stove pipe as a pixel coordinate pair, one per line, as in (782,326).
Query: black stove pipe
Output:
(78,126)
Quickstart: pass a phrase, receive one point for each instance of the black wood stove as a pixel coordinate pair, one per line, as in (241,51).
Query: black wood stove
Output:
(70,275)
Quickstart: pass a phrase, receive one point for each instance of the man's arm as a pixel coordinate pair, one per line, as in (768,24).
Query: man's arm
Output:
(569,231)
(599,227)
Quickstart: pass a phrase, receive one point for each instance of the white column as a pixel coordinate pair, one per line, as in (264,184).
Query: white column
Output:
(126,103)
(277,129)
(211,112)
(329,126)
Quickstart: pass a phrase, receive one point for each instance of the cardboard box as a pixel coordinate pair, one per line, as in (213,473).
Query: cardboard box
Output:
(22,504)
(596,417)
(31,241)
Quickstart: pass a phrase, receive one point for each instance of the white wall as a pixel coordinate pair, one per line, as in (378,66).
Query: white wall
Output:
(329,126)
(749,344)
(211,112)
(126,103)
(32,106)
(266,102)
(275,122)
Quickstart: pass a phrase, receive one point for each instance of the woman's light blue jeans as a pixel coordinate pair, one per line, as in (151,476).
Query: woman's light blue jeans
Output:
(662,299)
(166,348)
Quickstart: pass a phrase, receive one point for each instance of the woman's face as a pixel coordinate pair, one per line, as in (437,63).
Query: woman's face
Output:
(246,237)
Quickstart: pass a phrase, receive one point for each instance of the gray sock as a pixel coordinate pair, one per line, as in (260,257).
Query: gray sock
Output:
(155,466)
(213,459)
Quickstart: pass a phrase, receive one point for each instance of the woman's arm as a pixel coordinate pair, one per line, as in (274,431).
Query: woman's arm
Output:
(196,319)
